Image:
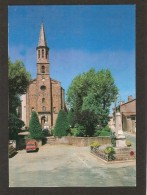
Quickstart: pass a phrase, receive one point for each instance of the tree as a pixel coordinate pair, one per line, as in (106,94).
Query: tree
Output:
(35,127)
(62,125)
(94,92)
(18,79)
(15,124)
(79,88)
(88,120)
(71,118)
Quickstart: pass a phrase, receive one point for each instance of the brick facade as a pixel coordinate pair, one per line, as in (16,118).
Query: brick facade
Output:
(44,94)
(128,115)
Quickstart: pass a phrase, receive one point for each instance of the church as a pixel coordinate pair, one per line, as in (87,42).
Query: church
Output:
(44,94)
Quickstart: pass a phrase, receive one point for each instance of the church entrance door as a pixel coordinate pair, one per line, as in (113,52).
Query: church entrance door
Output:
(42,122)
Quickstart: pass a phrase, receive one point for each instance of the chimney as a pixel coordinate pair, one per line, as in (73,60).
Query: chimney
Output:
(130,98)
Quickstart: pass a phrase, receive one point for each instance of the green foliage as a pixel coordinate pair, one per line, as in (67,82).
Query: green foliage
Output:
(92,92)
(18,80)
(80,130)
(15,124)
(46,132)
(14,103)
(128,143)
(95,144)
(62,125)
(70,118)
(110,152)
(35,127)
(87,120)
(106,128)
(106,131)
(74,131)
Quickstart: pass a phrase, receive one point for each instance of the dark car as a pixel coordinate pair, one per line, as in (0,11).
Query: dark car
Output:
(31,146)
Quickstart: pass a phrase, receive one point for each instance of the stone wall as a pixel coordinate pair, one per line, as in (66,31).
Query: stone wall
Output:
(82,141)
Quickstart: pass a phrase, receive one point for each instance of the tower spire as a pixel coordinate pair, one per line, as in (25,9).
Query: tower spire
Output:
(42,38)
(42,53)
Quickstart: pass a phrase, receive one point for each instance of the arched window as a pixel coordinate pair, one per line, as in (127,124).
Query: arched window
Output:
(42,69)
(43,100)
(38,53)
(42,53)
(46,54)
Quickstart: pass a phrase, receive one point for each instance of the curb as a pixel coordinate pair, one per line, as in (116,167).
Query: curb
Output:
(110,162)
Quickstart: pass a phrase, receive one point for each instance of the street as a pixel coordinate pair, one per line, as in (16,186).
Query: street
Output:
(67,166)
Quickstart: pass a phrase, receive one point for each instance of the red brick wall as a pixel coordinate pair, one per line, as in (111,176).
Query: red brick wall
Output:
(53,98)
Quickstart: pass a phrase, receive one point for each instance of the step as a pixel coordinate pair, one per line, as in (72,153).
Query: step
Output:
(51,140)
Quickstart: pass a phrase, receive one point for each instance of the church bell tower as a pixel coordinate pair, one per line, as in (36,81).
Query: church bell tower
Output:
(43,84)
(42,54)
(44,95)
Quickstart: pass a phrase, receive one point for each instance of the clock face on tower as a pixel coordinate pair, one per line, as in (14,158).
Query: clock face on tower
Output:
(43,79)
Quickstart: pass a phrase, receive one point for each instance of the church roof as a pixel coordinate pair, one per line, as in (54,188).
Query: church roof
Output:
(55,81)
(42,38)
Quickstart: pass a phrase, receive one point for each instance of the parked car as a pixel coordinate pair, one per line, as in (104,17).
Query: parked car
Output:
(31,146)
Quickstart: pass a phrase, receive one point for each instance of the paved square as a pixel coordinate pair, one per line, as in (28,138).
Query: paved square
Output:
(67,166)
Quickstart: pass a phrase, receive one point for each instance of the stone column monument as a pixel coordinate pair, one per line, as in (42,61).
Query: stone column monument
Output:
(120,137)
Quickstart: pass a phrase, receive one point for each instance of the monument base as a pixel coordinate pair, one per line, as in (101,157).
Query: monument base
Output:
(121,141)
(126,153)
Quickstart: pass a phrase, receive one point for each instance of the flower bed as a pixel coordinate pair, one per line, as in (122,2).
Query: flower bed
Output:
(109,153)
(100,154)
(106,152)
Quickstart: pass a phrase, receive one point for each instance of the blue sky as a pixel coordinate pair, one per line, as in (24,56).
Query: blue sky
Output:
(79,37)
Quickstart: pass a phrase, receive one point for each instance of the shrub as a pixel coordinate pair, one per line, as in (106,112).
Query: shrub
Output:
(15,125)
(70,118)
(106,128)
(78,131)
(104,133)
(46,132)
(128,143)
(95,144)
(74,131)
(35,127)
(109,150)
(61,126)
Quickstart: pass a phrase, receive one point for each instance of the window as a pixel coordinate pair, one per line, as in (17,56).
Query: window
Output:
(43,100)
(133,118)
(43,108)
(38,53)
(43,87)
(46,54)
(42,69)
(42,53)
